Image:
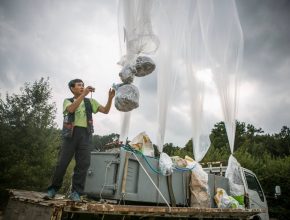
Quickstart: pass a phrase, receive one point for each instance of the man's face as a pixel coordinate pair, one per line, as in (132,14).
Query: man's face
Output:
(78,89)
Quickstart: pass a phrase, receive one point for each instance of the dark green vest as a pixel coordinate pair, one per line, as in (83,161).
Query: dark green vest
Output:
(68,120)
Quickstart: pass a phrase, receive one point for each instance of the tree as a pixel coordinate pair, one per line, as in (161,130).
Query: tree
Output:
(169,149)
(218,136)
(282,148)
(29,138)
(266,155)
(100,142)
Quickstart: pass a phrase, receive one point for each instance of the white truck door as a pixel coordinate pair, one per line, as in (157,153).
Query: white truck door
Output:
(257,199)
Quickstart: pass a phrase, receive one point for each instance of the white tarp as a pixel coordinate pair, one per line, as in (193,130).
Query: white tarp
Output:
(191,36)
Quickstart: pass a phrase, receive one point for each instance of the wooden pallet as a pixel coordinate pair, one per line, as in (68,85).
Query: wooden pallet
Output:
(31,205)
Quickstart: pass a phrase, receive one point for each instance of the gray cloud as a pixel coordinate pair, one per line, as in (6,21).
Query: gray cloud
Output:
(64,40)
(266,61)
(266,34)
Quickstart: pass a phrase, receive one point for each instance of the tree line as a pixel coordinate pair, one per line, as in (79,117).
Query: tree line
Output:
(268,156)
(30,142)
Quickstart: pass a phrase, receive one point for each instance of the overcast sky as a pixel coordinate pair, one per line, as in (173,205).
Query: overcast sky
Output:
(63,40)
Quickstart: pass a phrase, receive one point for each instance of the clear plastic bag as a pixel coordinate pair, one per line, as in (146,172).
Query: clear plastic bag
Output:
(233,173)
(224,201)
(143,143)
(165,164)
(179,162)
(199,188)
(144,66)
(127,98)
(127,74)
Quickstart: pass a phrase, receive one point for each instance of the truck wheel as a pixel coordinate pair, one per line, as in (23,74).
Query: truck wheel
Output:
(256,217)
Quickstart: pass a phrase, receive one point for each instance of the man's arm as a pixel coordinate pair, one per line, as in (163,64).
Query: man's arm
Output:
(72,107)
(107,108)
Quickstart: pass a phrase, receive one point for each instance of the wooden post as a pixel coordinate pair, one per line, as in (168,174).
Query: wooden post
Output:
(124,179)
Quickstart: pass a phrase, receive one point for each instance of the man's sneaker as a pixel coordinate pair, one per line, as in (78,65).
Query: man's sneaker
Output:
(74,196)
(50,194)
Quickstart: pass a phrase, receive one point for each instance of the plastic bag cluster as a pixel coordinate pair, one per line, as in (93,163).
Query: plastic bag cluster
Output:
(223,200)
(136,31)
(127,95)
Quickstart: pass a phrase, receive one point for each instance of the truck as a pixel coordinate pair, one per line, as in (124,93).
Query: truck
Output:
(124,184)
(255,196)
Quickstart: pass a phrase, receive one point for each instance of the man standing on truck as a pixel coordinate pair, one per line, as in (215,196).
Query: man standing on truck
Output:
(77,132)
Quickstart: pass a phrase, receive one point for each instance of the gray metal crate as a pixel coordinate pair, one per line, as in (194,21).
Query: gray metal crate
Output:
(105,176)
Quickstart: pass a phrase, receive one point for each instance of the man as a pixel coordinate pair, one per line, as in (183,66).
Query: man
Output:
(77,132)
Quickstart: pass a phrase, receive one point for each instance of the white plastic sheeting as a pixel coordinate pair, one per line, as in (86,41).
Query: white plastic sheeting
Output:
(223,39)
(196,63)
(191,36)
(235,178)
(125,123)
(208,34)
(166,22)
(135,29)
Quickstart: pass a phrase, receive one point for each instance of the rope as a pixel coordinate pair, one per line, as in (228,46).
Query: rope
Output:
(105,182)
(153,182)
(130,149)
(179,169)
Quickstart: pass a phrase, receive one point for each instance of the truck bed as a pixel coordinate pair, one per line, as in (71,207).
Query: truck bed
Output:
(31,205)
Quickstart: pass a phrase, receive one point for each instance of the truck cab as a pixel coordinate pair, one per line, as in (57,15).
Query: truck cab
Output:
(256,196)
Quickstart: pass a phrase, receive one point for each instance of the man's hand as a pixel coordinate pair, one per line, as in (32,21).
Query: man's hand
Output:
(105,109)
(111,93)
(88,89)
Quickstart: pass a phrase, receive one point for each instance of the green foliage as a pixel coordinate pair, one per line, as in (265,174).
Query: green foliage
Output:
(218,136)
(100,142)
(266,155)
(270,171)
(172,150)
(28,137)
(215,154)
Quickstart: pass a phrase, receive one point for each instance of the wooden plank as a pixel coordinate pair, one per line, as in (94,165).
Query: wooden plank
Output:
(161,211)
(18,210)
(59,204)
